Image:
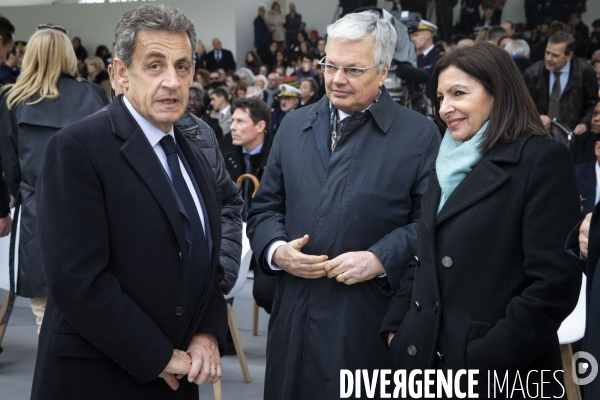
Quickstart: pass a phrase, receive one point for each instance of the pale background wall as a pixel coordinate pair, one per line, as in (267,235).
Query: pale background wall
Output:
(230,20)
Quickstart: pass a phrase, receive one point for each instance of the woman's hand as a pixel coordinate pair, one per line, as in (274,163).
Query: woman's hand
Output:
(390,337)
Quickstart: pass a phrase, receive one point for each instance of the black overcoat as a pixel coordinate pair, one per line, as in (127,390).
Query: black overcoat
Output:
(367,196)
(24,132)
(114,252)
(492,283)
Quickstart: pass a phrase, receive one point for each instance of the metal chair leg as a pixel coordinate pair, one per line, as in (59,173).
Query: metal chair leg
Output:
(571,388)
(3,327)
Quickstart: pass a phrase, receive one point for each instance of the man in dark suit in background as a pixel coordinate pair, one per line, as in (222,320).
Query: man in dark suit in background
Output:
(130,230)
(427,54)
(218,57)
(587,177)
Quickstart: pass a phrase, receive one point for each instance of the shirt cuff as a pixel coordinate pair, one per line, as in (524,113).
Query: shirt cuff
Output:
(274,246)
(382,275)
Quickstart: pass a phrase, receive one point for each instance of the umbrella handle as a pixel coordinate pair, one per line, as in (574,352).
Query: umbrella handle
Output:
(253,178)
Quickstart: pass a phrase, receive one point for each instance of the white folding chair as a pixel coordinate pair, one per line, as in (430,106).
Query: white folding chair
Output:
(571,330)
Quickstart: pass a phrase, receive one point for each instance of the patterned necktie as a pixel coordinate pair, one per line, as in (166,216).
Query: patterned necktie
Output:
(555,97)
(199,265)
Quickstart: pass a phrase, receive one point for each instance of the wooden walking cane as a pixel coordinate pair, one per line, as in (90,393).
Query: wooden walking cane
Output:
(255,310)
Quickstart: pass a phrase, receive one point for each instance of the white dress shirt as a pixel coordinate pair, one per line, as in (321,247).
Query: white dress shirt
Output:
(154,136)
(428,50)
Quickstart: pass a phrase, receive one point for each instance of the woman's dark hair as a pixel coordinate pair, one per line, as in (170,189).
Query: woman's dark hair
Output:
(255,59)
(513,114)
(102,51)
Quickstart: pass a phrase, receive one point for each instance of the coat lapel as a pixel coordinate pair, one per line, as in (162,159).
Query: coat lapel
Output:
(430,203)
(318,118)
(484,179)
(142,158)
(203,175)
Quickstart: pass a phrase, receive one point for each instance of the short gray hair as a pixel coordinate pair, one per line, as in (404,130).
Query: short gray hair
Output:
(246,73)
(518,47)
(151,17)
(366,25)
(256,92)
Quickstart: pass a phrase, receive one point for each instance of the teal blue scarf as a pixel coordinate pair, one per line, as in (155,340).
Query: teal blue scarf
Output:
(455,160)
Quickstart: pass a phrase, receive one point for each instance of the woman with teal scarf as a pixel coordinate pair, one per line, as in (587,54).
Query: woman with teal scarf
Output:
(490,282)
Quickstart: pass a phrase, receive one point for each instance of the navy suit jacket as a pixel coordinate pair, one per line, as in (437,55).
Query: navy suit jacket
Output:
(113,246)
(586,177)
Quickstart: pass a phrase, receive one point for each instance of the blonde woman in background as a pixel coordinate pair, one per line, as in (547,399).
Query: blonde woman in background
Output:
(45,98)
(97,73)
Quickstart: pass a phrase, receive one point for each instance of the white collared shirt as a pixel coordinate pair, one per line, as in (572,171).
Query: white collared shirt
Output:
(564,78)
(154,136)
(428,50)
(224,111)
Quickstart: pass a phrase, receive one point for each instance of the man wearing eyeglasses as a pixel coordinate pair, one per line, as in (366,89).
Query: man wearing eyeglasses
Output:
(335,217)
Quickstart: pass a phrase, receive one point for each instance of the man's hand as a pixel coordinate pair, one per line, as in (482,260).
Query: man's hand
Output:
(584,234)
(546,121)
(390,337)
(5,225)
(179,365)
(354,267)
(579,129)
(291,259)
(206,360)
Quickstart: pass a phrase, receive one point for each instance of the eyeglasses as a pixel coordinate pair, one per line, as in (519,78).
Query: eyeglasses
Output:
(55,27)
(354,72)
(214,78)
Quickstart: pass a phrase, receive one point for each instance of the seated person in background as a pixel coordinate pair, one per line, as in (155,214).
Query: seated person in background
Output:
(219,100)
(9,70)
(254,91)
(496,34)
(519,51)
(583,146)
(97,73)
(272,90)
(196,107)
(309,89)
(248,155)
(289,100)
(306,68)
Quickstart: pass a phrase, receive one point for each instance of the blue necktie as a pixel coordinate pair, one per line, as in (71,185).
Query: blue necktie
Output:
(199,265)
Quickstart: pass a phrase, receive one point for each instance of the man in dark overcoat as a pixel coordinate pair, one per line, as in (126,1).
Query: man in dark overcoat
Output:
(583,244)
(130,230)
(336,214)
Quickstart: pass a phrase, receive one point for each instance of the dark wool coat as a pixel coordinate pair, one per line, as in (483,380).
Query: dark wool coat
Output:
(364,196)
(24,132)
(113,243)
(492,283)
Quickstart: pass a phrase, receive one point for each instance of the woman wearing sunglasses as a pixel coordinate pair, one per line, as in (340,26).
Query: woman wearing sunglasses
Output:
(45,98)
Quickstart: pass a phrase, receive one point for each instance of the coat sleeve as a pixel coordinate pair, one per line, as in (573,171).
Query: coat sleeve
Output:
(396,248)
(266,220)
(231,221)
(70,200)
(9,148)
(532,319)
(400,304)
(214,319)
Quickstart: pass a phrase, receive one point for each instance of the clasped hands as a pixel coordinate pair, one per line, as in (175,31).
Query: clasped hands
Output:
(347,268)
(201,362)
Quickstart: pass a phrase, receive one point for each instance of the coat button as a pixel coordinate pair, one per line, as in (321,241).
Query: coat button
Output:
(187,244)
(180,256)
(179,311)
(447,262)
(417,262)
(436,307)
(440,355)
(417,306)
(412,350)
